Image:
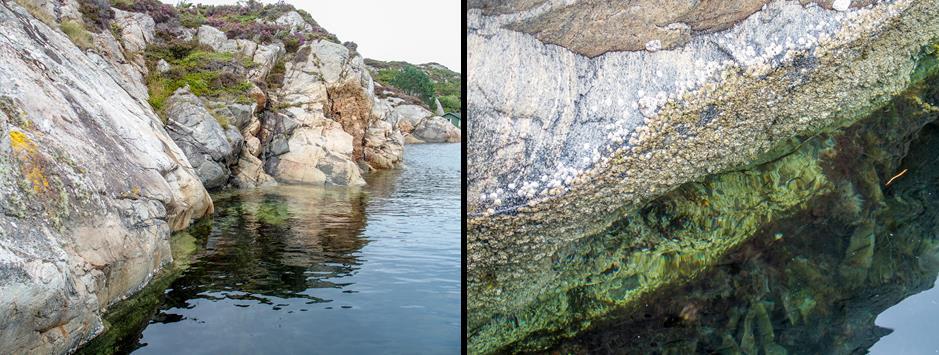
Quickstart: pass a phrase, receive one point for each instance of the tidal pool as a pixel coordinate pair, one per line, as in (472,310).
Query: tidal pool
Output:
(299,270)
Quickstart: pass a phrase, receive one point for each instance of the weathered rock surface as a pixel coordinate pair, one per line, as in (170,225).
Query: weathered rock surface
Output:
(564,145)
(93,182)
(210,148)
(91,185)
(322,133)
(406,117)
(436,129)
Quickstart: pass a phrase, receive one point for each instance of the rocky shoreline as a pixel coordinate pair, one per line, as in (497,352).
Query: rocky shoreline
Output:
(117,120)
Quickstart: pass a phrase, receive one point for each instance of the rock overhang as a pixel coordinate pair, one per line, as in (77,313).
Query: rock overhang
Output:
(749,112)
(567,114)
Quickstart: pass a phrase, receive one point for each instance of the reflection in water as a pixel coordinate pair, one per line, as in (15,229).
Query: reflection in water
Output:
(811,283)
(295,270)
(276,242)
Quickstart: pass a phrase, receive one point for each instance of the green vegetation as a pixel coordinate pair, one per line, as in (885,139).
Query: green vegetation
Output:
(77,33)
(415,83)
(37,11)
(446,84)
(450,103)
(208,73)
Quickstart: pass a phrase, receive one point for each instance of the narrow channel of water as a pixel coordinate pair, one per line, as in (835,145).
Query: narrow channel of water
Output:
(297,270)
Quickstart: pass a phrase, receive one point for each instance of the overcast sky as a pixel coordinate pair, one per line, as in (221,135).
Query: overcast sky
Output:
(415,31)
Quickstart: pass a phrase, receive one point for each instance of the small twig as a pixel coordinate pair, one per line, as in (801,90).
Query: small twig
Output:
(895,177)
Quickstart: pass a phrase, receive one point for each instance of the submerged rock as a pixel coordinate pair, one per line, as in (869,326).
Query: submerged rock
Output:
(106,150)
(91,184)
(599,180)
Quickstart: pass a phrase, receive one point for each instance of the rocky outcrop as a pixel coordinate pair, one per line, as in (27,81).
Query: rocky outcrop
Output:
(565,147)
(209,147)
(94,179)
(418,124)
(91,184)
(321,134)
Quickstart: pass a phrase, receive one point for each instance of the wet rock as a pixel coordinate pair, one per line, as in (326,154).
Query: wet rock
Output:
(384,146)
(563,145)
(91,186)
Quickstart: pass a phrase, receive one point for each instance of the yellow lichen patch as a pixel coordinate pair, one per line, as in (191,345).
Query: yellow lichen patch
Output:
(32,162)
(20,142)
(38,179)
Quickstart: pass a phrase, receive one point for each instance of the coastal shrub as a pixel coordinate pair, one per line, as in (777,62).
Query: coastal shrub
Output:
(208,73)
(253,20)
(414,82)
(97,14)
(77,33)
(385,76)
(222,120)
(191,19)
(450,103)
(275,78)
(160,12)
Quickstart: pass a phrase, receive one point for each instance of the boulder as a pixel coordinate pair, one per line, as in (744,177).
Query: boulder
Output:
(436,129)
(294,21)
(307,148)
(209,147)
(218,41)
(384,146)
(266,56)
(406,117)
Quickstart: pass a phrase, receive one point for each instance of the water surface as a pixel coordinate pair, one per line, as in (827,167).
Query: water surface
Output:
(299,270)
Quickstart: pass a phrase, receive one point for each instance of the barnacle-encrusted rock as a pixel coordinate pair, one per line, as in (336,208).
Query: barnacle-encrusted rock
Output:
(563,145)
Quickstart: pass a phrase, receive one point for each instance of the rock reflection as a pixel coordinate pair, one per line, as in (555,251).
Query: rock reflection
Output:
(282,242)
(812,283)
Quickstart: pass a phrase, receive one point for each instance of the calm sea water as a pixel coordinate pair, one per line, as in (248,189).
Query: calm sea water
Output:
(299,270)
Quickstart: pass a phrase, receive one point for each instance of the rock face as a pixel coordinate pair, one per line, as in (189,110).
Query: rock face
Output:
(564,145)
(91,185)
(93,180)
(210,148)
(321,133)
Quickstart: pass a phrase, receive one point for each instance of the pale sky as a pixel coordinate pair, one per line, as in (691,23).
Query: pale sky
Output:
(415,31)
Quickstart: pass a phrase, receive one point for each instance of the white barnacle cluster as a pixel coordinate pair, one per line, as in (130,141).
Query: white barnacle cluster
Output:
(528,189)
(495,197)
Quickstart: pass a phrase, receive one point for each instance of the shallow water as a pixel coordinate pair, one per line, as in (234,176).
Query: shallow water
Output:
(833,278)
(290,270)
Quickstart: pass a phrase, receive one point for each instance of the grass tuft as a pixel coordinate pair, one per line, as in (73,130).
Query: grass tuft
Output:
(77,33)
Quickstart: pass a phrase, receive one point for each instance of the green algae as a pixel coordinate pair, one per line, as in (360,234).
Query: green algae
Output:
(778,296)
(678,237)
(125,320)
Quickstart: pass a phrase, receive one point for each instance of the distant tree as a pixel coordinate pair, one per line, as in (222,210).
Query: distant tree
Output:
(414,82)
(450,103)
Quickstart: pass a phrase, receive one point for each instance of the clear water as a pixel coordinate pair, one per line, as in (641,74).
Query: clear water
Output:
(299,270)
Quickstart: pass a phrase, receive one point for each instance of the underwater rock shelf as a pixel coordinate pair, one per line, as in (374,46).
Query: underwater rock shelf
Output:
(732,195)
